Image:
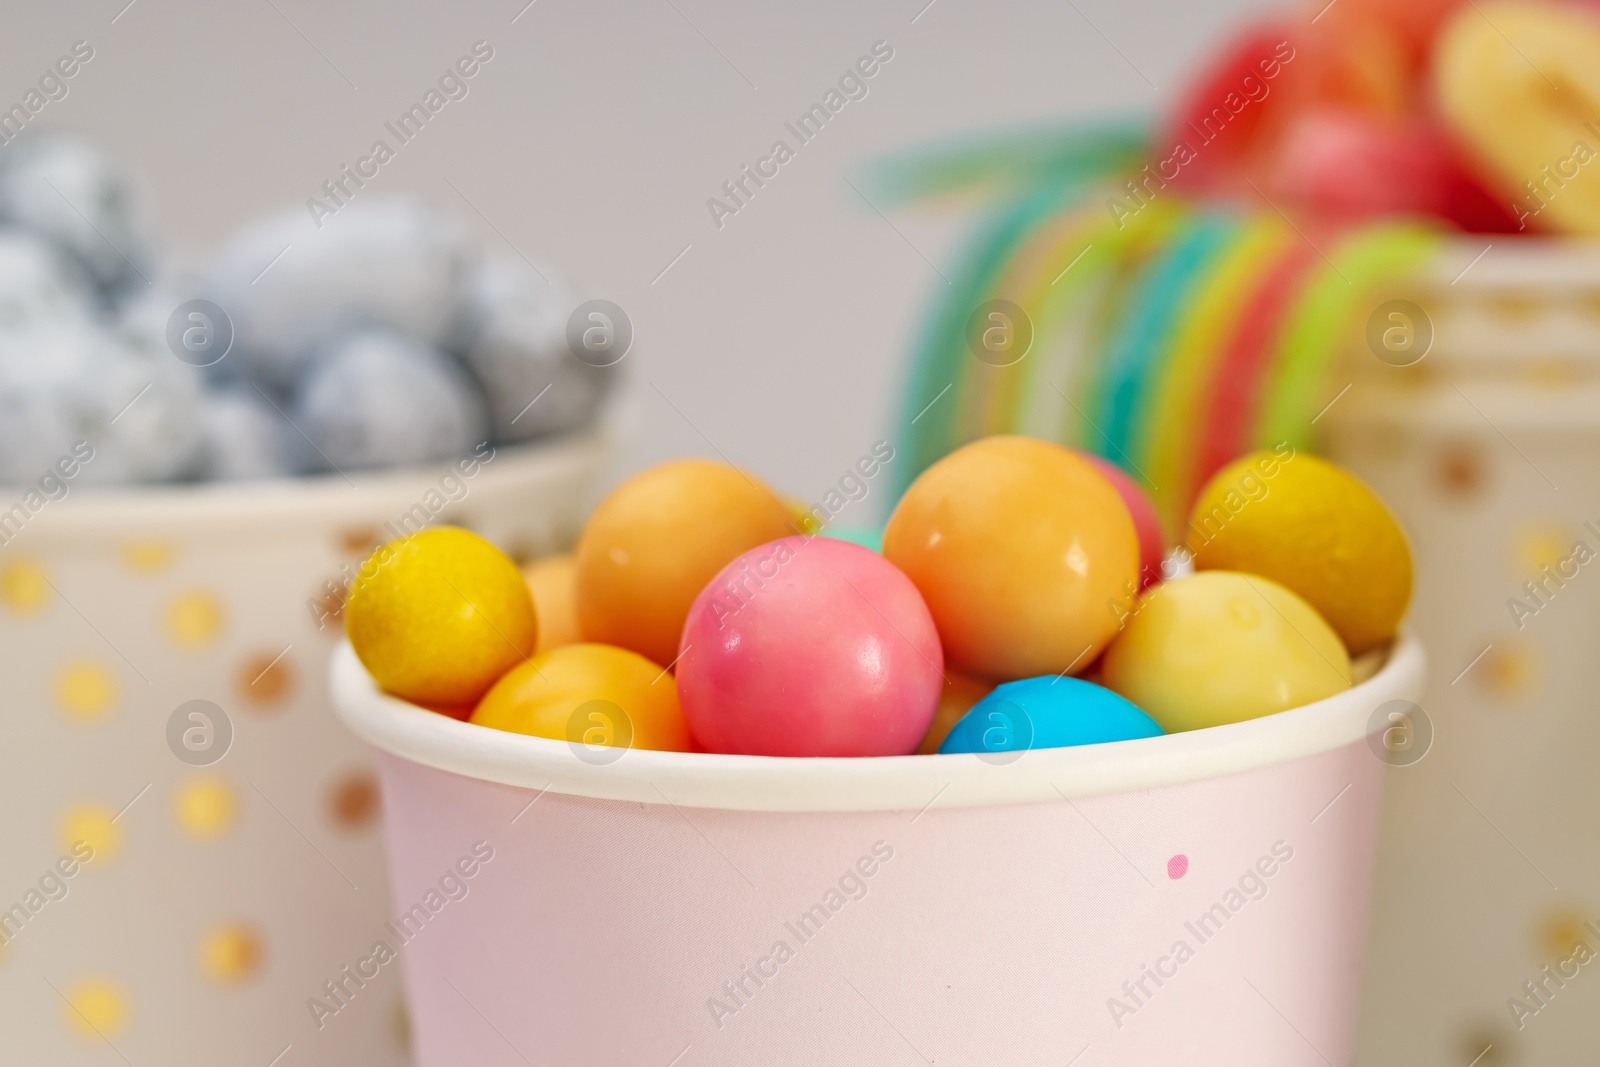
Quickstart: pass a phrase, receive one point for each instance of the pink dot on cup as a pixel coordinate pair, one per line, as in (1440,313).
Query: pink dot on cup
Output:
(1178,866)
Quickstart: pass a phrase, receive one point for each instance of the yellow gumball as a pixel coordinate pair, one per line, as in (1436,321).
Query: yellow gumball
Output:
(438,616)
(1315,528)
(1221,647)
(597,695)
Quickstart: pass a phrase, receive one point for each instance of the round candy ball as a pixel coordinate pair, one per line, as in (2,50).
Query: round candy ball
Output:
(1047,712)
(384,261)
(68,389)
(657,539)
(956,699)
(553,583)
(375,398)
(1146,523)
(438,616)
(591,694)
(39,286)
(810,647)
(515,342)
(1221,647)
(1315,528)
(243,437)
(1018,546)
(64,188)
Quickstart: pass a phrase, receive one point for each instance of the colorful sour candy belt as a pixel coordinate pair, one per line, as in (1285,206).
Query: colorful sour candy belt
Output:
(1168,341)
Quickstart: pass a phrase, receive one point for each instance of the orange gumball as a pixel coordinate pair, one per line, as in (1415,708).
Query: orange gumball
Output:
(1024,553)
(654,543)
(552,582)
(955,700)
(593,695)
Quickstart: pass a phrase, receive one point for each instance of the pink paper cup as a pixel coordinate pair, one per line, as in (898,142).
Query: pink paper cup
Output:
(1196,899)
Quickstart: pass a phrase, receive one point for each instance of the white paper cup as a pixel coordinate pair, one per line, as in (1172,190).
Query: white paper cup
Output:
(1486,448)
(225,893)
(934,908)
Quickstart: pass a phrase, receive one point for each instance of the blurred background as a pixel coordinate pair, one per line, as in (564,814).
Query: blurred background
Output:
(593,139)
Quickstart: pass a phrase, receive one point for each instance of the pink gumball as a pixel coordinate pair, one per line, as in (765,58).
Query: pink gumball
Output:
(1152,544)
(810,646)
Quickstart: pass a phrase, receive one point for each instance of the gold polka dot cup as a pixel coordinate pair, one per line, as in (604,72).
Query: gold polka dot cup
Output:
(164,652)
(1468,397)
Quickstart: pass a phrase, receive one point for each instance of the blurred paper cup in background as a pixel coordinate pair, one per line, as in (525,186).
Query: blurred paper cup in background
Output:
(1473,406)
(165,653)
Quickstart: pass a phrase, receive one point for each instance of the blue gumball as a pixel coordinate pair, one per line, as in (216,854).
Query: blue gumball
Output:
(1047,712)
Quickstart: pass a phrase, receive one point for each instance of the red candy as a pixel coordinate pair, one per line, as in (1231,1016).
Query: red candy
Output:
(1330,115)
(1340,163)
(1250,74)
(1347,165)
(810,646)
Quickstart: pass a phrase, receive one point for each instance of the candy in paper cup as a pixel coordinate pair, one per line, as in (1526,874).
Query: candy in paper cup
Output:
(1198,898)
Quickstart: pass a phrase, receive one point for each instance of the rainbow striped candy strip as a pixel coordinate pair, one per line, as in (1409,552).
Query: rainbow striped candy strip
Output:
(1168,341)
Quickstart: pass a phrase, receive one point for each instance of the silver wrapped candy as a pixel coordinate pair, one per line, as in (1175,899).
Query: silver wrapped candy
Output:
(65,189)
(287,285)
(39,286)
(73,381)
(376,398)
(513,337)
(243,437)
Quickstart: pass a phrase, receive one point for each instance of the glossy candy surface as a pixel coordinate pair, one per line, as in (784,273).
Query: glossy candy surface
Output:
(1017,545)
(1047,712)
(810,646)
(590,694)
(438,616)
(1315,528)
(1221,647)
(657,539)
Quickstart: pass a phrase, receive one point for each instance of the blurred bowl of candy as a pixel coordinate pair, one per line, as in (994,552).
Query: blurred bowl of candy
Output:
(1038,782)
(192,464)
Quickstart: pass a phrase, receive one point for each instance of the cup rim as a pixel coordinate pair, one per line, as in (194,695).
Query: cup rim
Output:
(887,783)
(265,506)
